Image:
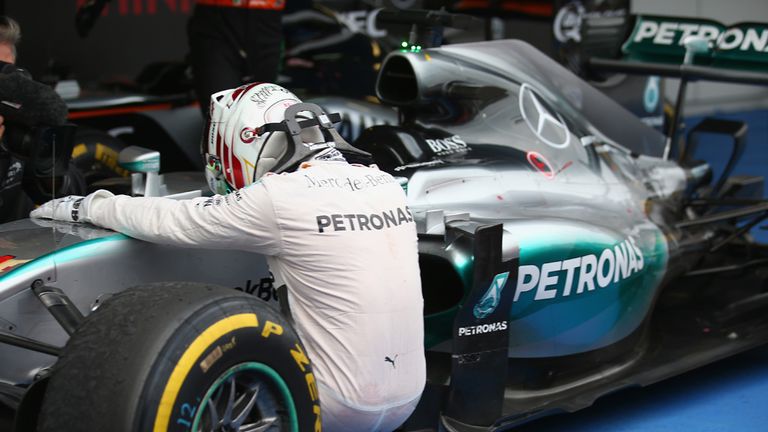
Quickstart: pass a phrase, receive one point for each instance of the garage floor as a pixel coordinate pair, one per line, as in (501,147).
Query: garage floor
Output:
(726,396)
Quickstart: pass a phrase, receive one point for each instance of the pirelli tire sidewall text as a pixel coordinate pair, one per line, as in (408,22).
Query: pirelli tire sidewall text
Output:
(183,338)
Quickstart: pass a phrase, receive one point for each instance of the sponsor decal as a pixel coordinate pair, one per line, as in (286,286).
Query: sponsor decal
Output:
(651,94)
(547,125)
(490,300)
(446,146)
(329,154)
(211,358)
(266,93)
(302,361)
(540,164)
(13,176)
(656,36)
(567,24)
(263,289)
(363,222)
(569,18)
(581,274)
(76,209)
(483,328)
(391,360)
(248,135)
(219,200)
(351,184)
(362,21)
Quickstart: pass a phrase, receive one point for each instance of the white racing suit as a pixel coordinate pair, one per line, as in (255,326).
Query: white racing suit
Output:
(341,239)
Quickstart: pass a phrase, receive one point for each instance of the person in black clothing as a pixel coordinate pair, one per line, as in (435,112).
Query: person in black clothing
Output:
(10,35)
(35,139)
(11,168)
(232,42)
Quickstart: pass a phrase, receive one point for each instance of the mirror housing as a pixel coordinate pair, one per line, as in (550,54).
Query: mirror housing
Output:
(144,165)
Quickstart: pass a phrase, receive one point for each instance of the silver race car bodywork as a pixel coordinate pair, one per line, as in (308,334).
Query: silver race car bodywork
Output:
(550,230)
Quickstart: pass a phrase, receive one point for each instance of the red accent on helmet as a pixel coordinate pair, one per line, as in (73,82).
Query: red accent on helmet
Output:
(237,173)
(249,135)
(242,89)
(218,144)
(226,162)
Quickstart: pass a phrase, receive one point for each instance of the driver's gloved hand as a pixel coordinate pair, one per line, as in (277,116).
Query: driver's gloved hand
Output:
(72,208)
(85,232)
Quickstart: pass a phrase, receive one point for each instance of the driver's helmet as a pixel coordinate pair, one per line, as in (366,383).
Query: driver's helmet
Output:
(236,156)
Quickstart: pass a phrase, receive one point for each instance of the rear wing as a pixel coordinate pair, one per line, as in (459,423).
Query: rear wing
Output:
(691,49)
(656,46)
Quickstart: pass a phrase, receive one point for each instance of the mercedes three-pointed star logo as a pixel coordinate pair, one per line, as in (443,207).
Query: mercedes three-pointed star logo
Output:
(549,129)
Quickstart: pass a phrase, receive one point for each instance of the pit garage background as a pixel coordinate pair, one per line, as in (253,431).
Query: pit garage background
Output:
(132,34)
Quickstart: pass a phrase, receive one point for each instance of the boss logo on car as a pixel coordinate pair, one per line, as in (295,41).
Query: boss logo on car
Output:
(448,145)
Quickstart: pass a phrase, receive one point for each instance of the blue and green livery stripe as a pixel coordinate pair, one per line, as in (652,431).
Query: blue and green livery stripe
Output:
(66,254)
(148,165)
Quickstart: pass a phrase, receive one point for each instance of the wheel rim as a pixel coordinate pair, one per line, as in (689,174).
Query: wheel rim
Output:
(249,397)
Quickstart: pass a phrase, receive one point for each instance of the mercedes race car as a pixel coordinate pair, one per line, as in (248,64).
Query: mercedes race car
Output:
(567,251)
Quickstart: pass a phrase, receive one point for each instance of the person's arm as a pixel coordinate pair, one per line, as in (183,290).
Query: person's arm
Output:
(243,220)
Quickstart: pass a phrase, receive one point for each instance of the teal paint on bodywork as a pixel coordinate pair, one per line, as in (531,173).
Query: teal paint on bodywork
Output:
(149,165)
(578,322)
(573,322)
(82,250)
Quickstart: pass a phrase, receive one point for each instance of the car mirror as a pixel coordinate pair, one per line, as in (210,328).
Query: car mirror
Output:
(144,165)
(588,140)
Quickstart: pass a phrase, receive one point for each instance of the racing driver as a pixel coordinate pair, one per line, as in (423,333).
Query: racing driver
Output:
(338,235)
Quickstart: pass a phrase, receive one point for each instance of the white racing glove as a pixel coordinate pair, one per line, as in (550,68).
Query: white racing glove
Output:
(72,208)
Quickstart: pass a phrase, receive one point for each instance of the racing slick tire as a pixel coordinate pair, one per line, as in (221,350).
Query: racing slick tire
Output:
(95,154)
(180,357)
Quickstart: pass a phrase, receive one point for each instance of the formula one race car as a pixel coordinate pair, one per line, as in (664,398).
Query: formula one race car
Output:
(563,254)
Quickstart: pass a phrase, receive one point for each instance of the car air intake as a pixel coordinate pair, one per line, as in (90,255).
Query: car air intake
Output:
(397,83)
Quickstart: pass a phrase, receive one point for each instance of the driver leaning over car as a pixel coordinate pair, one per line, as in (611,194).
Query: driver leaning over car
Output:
(338,235)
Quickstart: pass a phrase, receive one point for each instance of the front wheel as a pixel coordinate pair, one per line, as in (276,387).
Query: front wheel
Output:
(182,357)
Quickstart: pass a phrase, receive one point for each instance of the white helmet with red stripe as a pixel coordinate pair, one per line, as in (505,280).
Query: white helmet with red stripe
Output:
(236,154)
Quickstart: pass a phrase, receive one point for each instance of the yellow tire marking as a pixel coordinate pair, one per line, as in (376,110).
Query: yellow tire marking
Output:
(79,149)
(188,359)
(271,328)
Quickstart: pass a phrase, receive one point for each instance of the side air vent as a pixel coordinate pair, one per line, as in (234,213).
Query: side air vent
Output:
(397,82)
